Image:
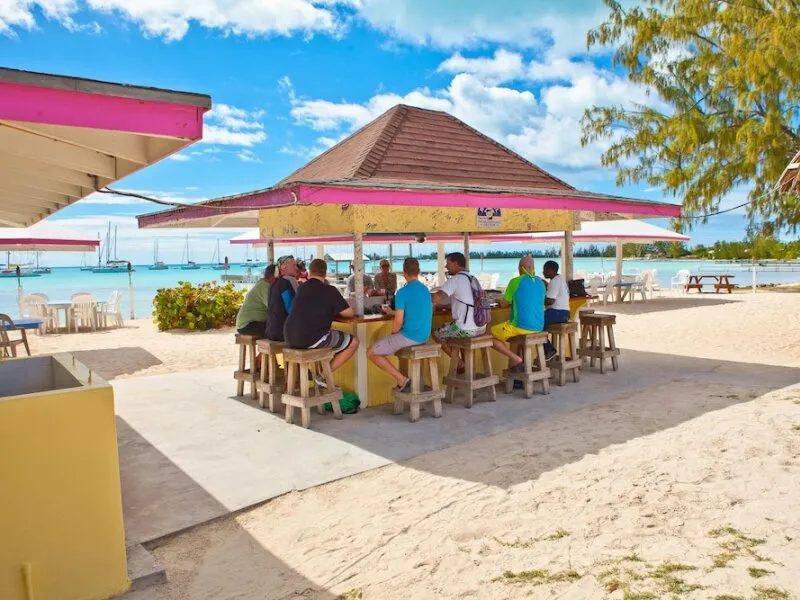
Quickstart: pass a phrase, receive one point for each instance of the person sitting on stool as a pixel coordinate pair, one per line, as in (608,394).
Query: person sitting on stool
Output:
(556,300)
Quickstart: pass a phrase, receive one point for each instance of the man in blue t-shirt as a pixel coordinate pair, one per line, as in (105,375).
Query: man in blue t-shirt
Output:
(526,296)
(412,323)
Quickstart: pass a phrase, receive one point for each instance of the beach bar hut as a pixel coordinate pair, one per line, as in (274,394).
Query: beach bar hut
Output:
(61,139)
(412,172)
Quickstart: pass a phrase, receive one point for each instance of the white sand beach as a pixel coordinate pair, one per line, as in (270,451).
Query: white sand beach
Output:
(613,500)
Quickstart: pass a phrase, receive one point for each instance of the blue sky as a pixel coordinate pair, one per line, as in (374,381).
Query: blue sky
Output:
(291,77)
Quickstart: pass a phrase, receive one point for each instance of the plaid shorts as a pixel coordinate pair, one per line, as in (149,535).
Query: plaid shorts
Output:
(453,330)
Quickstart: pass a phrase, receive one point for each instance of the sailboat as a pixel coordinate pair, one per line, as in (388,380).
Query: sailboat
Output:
(38,268)
(249,262)
(216,263)
(157,265)
(111,265)
(10,270)
(189,265)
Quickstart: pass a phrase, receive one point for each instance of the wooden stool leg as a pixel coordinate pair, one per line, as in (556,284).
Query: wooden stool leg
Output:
(613,344)
(327,372)
(413,411)
(528,358)
(584,340)
(576,371)
(242,363)
(253,378)
(487,372)
(602,344)
(452,372)
(593,344)
(291,374)
(274,396)
(263,379)
(469,374)
(433,369)
(543,365)
(416,377)
(562,358)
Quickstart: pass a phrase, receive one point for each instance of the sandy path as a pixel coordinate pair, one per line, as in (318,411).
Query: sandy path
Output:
(704,509)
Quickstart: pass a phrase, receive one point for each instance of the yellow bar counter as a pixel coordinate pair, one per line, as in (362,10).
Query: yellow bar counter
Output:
(374,327)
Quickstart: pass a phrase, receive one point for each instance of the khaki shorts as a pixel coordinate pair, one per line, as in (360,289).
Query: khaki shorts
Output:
(392,344)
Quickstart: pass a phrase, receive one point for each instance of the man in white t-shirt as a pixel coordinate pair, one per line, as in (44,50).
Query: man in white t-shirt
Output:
(458,288)
(556,301)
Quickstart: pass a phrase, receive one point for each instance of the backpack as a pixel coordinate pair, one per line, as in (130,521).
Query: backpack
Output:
(481,307)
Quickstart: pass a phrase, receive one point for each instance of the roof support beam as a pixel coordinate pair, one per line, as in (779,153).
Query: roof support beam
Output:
(17,166)
(32,146)
(14,202)
(40,188)
(16,219)
(128,146)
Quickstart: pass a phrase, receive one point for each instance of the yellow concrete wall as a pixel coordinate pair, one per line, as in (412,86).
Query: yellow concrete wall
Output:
(60,501)
(333,219)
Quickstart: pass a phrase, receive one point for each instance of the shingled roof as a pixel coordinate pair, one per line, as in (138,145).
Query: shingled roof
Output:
(408,144)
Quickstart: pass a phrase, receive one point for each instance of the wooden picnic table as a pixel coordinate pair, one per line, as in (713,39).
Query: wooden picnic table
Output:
(722,282)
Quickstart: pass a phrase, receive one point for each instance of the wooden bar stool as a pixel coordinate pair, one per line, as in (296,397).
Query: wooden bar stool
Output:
(471,381)
(272,380)
(301,366)
(597,340)
(531,348)
(247,364)
(413,361)
(565,339)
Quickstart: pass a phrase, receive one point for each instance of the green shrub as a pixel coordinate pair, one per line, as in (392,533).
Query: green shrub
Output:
(201,307)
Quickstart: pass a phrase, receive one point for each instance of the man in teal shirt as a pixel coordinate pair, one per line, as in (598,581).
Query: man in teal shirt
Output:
(252,316)
(412,323)
(525,295)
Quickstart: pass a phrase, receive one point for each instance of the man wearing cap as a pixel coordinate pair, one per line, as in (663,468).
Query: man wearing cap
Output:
(281,298)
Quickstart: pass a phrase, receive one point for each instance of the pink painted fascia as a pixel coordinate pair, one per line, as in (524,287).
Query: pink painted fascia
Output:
(310,194)
(46,242)
(432,198)
(218,208)
(33,104)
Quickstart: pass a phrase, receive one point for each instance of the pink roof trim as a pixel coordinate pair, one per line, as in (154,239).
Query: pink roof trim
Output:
(46,242)
(328,194)
(34,104)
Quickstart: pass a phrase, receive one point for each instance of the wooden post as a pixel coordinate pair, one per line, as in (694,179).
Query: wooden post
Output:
(391,259)
(360,330)
(566,257)
(320,251)
(440,274)
(466,249)
(358,272)
(619,271)
(270,252)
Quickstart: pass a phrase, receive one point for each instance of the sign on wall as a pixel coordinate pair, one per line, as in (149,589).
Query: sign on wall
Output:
(489,218)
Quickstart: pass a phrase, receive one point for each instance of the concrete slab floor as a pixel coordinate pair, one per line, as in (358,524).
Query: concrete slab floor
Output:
(190,452)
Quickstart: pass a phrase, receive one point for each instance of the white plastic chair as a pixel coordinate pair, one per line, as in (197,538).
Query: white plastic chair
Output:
(655,286)
(679,281)
(495,278)
(596,288)
(82,312)
(640,285)
(111,311)
(34,306)
(609,290)
(485,280)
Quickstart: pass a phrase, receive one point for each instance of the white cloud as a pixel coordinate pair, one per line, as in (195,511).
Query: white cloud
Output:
(247,156)
(321,144)
(232,126)
(19,13)
(542,124)
(561,26)
(171,19)
(179,157)
(503,66)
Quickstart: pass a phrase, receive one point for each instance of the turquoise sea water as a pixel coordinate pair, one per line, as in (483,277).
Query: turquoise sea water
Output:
(65,281)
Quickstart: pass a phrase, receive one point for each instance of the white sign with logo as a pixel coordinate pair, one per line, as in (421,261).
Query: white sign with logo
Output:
(489,218)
